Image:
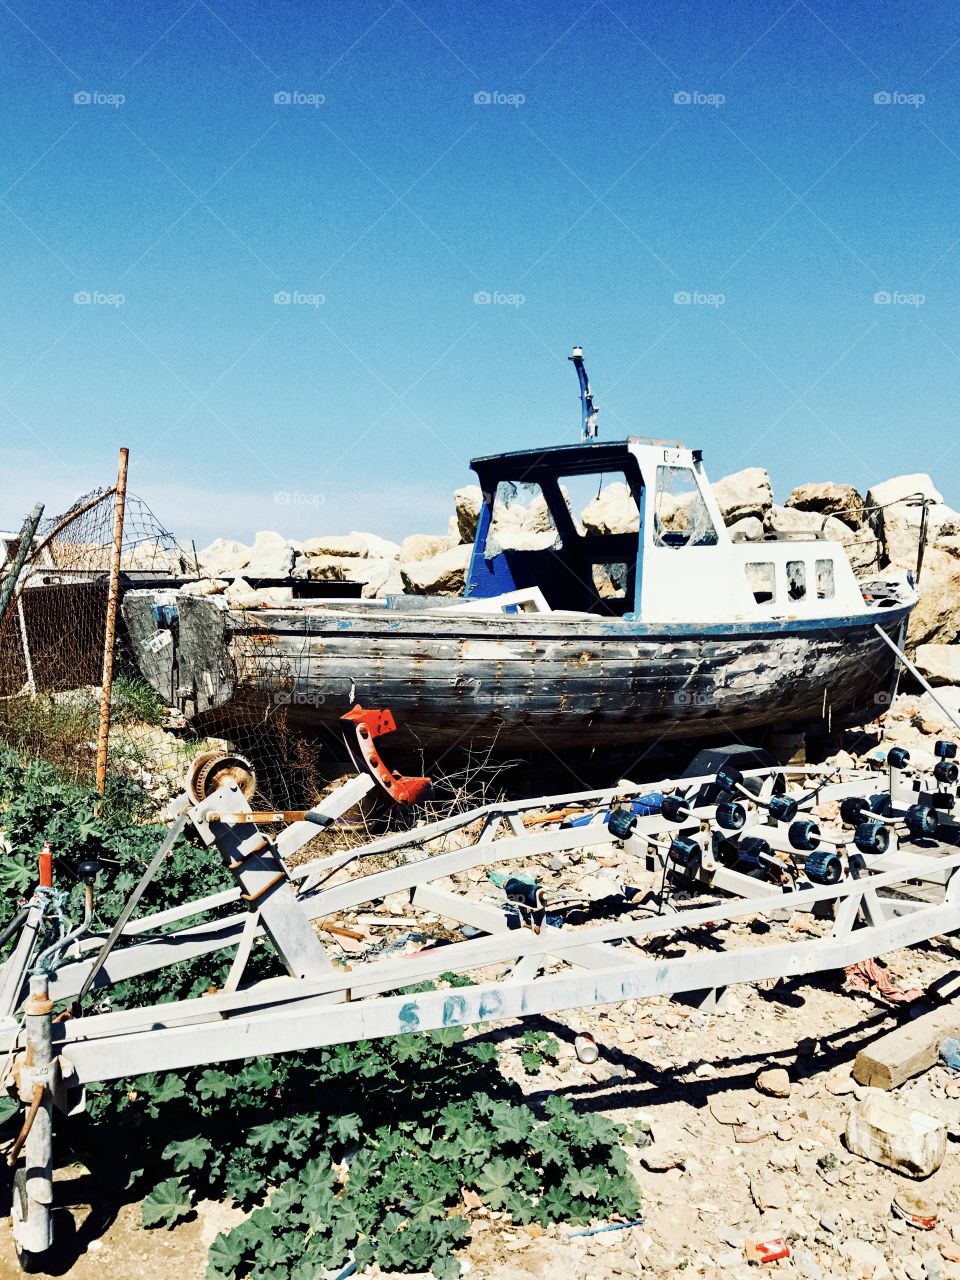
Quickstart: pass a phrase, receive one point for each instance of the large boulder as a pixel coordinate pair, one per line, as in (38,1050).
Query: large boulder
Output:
(749,529)
(940,663)
(744,493)
(613,510)
(342,544)
(378,548)
(831,499)
(936,619)
(932,717)
(424,546)
(271,556)
(440,575)
(895,509)
(224,557)
(380,577)
(469,503)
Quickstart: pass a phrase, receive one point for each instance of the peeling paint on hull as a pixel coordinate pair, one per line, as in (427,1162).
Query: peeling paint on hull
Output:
(518,679)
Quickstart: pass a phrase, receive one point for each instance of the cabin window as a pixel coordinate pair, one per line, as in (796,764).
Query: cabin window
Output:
(681,518)
(600,504)
(610,580)
(520,521)
(796,579)
(825,584)
(762,577)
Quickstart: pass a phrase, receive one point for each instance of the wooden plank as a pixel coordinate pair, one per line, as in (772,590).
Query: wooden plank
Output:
(906,1051)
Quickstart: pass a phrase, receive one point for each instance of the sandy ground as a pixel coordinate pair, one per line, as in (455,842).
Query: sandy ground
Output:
(728,1163)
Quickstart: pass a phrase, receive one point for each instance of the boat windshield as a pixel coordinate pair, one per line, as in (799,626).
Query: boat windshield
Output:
(681,518)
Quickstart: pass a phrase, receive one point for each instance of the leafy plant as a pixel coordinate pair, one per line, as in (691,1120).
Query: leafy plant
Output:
(353,1153)
(536,1048)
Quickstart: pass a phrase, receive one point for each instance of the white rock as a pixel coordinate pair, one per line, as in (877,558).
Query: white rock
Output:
(884,1130)
(865,1256)
(790,520)
(744,493)
(271,556)
(223,557)
(468,502)
(936,619)
(940,663)
(204,587)
(931,719)
(240,595)
(378,548)
(613,510)
(440,575)
(423,546)
(749,529)
(895,510)
(879,495)
(343,544)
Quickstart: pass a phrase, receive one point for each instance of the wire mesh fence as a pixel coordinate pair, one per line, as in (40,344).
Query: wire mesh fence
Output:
(52,638)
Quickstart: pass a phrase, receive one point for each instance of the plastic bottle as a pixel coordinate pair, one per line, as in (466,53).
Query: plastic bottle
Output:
(585,1047)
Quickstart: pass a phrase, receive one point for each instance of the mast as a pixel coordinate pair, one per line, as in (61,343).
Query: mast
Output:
(588,411)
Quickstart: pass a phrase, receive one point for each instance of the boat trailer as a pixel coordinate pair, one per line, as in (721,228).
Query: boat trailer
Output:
(870,857)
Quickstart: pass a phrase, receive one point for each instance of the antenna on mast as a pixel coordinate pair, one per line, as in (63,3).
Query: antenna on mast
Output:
(588,411)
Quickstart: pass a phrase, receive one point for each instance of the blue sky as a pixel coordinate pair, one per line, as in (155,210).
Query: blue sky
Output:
(736,155)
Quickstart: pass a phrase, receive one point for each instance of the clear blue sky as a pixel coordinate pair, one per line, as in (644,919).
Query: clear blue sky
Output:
(597,198)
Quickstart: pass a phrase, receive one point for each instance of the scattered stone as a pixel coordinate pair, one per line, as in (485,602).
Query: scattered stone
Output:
(729,1108)
(769,1193)
(866,1258)
(775,1082)
(932,719)
(885,1131)
(840,1082)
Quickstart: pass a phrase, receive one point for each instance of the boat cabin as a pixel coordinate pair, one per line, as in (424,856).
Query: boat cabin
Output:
(631,529)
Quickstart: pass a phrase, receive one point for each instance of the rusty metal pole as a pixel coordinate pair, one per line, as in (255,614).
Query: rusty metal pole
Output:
(113,593)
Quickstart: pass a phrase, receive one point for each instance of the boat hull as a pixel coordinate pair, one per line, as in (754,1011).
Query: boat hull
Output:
(517,682)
